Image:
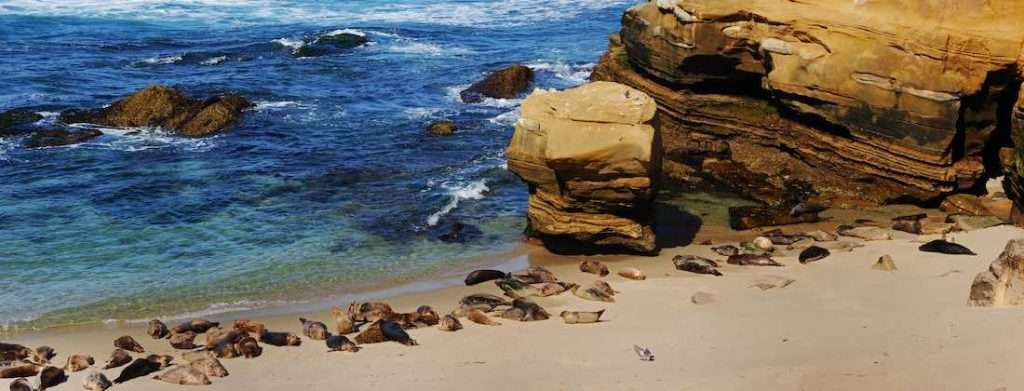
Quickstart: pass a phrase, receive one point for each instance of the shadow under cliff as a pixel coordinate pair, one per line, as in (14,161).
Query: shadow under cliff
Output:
(674,226)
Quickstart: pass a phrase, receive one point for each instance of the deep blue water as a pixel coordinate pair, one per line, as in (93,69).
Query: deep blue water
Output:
(330,183)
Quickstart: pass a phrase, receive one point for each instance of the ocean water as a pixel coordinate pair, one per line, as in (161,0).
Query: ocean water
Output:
(329,184)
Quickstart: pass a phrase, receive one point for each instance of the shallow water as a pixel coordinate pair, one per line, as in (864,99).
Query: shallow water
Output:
(329,184)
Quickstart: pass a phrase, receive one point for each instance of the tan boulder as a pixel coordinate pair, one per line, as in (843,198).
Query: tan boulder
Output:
(1003,283)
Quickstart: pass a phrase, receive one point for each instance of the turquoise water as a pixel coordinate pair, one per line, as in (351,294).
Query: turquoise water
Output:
(329,184)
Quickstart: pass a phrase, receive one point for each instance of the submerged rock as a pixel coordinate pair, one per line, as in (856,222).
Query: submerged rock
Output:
(11,119)
(506,83)
(1003,283)
(331,43)
(442,128)
(60,137)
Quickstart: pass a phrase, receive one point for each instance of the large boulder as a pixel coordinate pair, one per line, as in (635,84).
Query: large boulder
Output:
(850,103)
(591,159)
(506,83)
(1003,283)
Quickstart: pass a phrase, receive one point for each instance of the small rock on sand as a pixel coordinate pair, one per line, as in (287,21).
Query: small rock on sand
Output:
(885,263)
(771,282)
(702,298)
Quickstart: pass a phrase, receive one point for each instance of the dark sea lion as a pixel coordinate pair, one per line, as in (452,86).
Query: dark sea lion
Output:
(210,366)
(44,354)
(777,237)
(580,317)
(479,276)
(944,247)
(197,326)
(249,348)
(224,338)
(344,322)
(184,340)
(515,289)
(21,384)
(163,360)
(513,314)
(96,381)
(632,273)
(370,311)
(184,375)
(157,329)
(394,332)
(695,264)
(726,250)
(79,362)
(752,260)
(314,330)
(128,343)
(449,323)
(15,352)
(12,370)
(594,267)
(592,294)
(254,328)
(479,317)
(426,316)
(371,334)
(280,339)
(531,311)
(536,275)
(555,288)
(341,343)
(118,358)
(51,377)
(483,301)
(813,254)
(806,208)
(226,350)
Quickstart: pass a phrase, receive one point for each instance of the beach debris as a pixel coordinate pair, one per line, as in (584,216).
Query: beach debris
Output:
(479,276)
(79,362)
(184,375)
(864,232)
(249,347)
(280,339)
(581,317)
(726,250)
(516,289)
(943,247)
(771,282)
(44,354)
(752,260)
(813,254)
(594,267)
(449,323)
(118,358)
(885,263)
(632,273)
(96,381)
(592,294)
(1001,284)
(16,369)
(644,353)
(314,330)
(157,329)
(21,384)
(252,327)
(341,343)
(822,236)
(555,288)
(138,368)
(209,365)
(536,275)
(128,343)
(695,264)
(197,326)
(184,340)
(479,317)
(703,298)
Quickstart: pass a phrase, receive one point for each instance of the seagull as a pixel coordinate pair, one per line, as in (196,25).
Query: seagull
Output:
(644,353)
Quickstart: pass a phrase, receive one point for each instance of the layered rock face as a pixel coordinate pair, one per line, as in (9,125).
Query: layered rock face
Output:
(1003,283)
(843,102)
(591,161)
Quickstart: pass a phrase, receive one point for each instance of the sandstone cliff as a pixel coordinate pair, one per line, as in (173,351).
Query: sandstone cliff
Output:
(591,161)
(845,102)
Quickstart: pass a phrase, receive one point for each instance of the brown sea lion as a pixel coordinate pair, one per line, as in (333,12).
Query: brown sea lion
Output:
(15,352)
(632,273)
(341,343)
(184,375)
(79,362)
(128,343)
(51,377)
(479,317)
(426,316)
(196,355)
(184,340)
(210,366)
(197,326)
(695,264)
(515,289)
(524,310)
(249,347)
(13,369)
(555,288)
(480,276)
(344,322)
(513,314)
(118,358)
(449,323)
(605,287)
(44,354)
(157,329)
(226,350)
(230,337)
(579,317)
(138,368)
(314,330)
(752,260)
(592,294)
(96,381)
(370,311)
(726,250)
(21,384)
(536,275)
(163,360)
(483,301)
(594,267)
(280,339)
(252,327)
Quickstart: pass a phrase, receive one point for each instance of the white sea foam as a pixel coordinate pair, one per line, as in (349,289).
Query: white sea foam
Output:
(418,113)
(142,139)
(214,60)
(475,190)
(262,105)
(421,48)
(345,31)
(294,43)
(575,74)
(453,94)
(506,119)
(161,60)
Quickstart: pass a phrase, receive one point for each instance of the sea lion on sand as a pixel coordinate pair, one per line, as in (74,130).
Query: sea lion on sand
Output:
(594,267)
(249,347)
(344,322)
(184,340)
(79,362)
(44,354)
(515,289)
(944,247)
(580,317)
(592,294)
(96,381)
(777,237)
(449,323)
(197,326)
(695,264)
(604,287)
(426,316)
(479,276)
(341,343)
(226,350)
(163,360)
(157,329)
(555,288)
(51,377)
(214,339)
(254,328)
(632,273)
(210,366)
(118,358)
(128,343)
(483,301)
(394,332)
(513,314)
(280,339)
(763,244)
(15,352)
(752,260)
(531,311)
(12,370)
(138,368)
(314,330)
(479,317)
(822,236)
(813,254)
(184,375)
(536,275)
(726,250)
(864,232)
(909,224)
(21,384)
(370,311)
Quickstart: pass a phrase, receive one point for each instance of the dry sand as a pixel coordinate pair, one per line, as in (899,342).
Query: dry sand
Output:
(840,326)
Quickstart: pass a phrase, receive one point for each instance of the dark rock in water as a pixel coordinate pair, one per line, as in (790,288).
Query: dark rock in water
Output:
(944,247)
(748,217)
(503,84)
(78,116)
(442,128)
(343,40)
(479,276)
(813,254)
(456,232)
(59,137)
(13,118)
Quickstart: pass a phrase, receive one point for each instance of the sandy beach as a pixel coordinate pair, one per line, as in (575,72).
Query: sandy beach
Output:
(840,326)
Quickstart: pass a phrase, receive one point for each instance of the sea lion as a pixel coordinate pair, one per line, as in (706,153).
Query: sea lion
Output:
(197,326)
(96,381)
(944,247)
(822,236)
(184,375)
(513,314)
(15,352)
(555,288)
(885,263)
(118,358)
(344,322)
(479,276)
(726,250)
(341,343)
(479,317)
(426,316)
(580,317)
(594,267)
(632,273)
(801,244)
(536,275)
(864,232)
(226,350)
(806,208)
(249,348)
(44,354)
(314,330)
(604,287)
(695,264)
(254,328)
(844,246)
(449,323)
(128,343)
(51,377)
(394,332)
(909,224)
(531,311)
(184,340)
(79,362)
(21,384)
(762,243)
(157,329)
(280,339)
(752,260)
(813,254)
(592,294)
(777,237)
(13,369)
(515,289)
(483,301)
(230,337)
(370,311)
(162,360)
(210,366)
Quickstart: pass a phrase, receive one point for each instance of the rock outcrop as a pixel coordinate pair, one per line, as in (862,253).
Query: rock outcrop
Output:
(591,160)
(331,43)
(506,83)
(12,119)
(60,137)
(1003,283)
(841,102)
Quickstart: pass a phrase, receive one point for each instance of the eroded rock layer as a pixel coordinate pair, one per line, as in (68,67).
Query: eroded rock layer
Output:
(590,159)
(846,102)
(1003,283)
